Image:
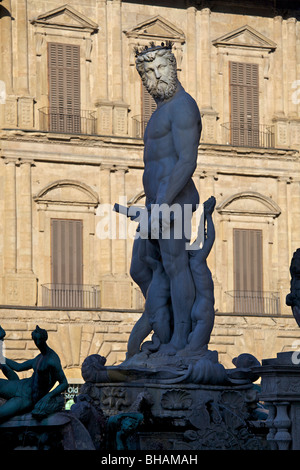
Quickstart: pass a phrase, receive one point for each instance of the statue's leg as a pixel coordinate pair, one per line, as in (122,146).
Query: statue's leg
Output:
(8,388)
(142,275)
(16,403)
(200,336)
(157,306)
(139,332)
(176,263)
(13,407)
(139,270)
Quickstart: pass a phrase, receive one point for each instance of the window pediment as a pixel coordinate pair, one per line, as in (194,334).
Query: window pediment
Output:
(65,17)
(249,203)
(245,37)
(67,192)
(156,28)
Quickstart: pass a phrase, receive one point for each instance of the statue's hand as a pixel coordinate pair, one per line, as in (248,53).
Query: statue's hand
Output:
(47,405)
(143,219)
(160,221)
(144,227)
(42,402)
(42,405)
(155,222)
(151,226)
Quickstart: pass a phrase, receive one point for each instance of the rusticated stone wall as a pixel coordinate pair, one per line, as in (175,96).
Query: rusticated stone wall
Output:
(76,334)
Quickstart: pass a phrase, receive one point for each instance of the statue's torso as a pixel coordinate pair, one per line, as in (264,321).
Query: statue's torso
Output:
(160,154)
(43,377)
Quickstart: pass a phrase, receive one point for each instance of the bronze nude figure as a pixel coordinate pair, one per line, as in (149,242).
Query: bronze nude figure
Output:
(35,393)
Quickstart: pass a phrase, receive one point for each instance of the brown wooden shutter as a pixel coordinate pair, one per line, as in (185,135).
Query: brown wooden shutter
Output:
(248,271)
(244,100)
(148,105)
(64,87)
(66,262)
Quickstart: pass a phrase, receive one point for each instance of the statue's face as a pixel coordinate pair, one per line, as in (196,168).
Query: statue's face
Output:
(38,339)
(160,79)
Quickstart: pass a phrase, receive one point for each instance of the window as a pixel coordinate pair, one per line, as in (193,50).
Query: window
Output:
(64,87)
(148,104)
(248,271)
(244,104)
(148,107)
(66,263)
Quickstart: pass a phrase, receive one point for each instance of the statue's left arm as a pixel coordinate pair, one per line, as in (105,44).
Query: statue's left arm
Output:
(186,131)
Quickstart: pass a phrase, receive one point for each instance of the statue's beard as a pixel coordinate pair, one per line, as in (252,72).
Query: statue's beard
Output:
(161,89)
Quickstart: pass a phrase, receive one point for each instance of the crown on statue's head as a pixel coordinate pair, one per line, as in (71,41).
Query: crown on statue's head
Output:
(153,47)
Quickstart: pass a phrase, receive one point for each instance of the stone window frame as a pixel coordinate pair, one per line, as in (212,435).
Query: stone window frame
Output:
(68,26)
(261,218)
(82,207)
(232,48)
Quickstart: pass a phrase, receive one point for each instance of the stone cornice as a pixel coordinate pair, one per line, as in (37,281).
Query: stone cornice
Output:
(126,152)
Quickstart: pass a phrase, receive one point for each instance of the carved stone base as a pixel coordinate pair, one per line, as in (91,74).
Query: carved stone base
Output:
(59,431)
(26,433)
(177,417)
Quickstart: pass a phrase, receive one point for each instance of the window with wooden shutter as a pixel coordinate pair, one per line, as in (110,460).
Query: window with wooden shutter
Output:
(148,105)
(64,87)
(67,262)
(248,271)
(244,101)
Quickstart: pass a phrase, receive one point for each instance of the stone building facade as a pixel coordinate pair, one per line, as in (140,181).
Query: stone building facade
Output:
(72,116)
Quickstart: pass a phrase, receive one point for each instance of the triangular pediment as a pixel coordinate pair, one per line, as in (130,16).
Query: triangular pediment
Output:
(66,17)
(245,37)
(156,28)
